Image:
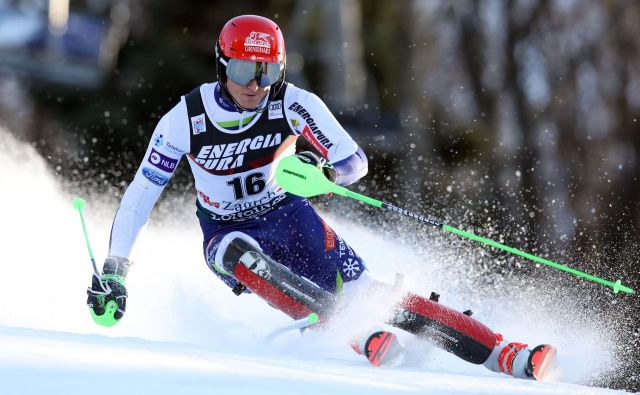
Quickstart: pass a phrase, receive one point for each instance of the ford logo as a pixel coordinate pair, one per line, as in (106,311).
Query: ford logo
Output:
(155,177)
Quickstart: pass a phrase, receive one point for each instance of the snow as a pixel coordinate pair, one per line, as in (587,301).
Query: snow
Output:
(72,363)
(185,332)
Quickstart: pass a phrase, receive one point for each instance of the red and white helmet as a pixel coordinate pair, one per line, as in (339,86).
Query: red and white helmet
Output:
(251,47)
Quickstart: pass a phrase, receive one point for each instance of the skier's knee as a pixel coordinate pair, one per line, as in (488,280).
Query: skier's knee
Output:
(231,248)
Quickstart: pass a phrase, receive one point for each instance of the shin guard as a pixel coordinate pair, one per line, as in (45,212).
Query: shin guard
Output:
(454,331)
(276,284)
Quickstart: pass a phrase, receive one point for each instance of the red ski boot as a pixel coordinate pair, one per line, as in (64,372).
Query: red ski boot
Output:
(516,360)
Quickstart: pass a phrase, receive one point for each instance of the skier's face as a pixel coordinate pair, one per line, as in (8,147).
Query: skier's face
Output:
(248,96)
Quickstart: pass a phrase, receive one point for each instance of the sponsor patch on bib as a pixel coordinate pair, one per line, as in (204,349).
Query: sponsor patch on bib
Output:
(198,124)
(275,109)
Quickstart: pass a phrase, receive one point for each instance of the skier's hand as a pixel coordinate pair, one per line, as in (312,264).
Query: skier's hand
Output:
(320,162)
(109,287)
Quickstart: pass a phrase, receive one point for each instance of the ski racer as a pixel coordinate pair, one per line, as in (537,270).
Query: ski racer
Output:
(257,237)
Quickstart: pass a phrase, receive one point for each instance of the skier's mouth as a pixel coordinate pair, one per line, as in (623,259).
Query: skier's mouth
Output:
(257,96)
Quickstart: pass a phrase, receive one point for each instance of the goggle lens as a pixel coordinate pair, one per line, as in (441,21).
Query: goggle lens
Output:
(243,71)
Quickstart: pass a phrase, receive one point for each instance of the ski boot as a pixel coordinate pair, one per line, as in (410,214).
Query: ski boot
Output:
(516,360)
(381,349)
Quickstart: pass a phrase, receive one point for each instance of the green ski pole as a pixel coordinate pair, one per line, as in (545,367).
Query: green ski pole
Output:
(302,323)
(106,319)
(79,204)
(302,179)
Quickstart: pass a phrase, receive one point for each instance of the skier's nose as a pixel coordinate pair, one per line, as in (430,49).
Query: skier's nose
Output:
(253,85)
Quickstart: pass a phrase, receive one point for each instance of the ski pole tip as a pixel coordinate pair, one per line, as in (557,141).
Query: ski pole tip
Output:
(617,287)
(78,203)
(312,318)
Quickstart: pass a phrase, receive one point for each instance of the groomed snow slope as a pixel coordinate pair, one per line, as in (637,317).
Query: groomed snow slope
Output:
(185,332)
(41,362)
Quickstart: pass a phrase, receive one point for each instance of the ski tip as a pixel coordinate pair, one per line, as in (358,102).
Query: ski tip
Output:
(78,203)
(543,362)
(313,318)
(617,287)
(383,349)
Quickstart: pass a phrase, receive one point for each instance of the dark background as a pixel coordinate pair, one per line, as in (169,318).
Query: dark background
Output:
(517,119)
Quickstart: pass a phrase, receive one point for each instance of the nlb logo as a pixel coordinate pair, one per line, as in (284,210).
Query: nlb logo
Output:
(162,162)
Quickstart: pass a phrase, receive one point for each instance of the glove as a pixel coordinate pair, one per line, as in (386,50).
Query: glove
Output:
(109,287)
(320,162)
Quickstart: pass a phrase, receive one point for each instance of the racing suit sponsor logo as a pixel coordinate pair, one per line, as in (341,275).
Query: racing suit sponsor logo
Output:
(212,247)
(344,249)
(351,267)
(231,156)
(198,124)
(155,177)
(162,162)
(311,132)
(258,208)
(312,140)
(234,206)
(159,142)
(173,148)
(329,237)
(257,42)
(275,109)
(207,200)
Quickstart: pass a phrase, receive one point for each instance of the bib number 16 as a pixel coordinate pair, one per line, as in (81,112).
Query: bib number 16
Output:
(252,184)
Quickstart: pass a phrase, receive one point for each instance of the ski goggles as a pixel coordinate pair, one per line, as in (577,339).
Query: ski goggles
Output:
(243,71)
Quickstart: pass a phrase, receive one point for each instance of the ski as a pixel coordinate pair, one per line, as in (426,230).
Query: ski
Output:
(383,349)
